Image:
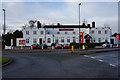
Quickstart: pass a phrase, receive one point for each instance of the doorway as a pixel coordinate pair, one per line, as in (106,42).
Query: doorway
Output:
(87,40)
(112,41)
(40,41)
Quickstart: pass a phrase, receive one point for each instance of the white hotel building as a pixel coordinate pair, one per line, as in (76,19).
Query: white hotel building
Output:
(63,34)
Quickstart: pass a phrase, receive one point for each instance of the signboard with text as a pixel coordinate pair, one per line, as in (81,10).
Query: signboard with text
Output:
(81,37)
(118,37)
(66,29)
(21,42)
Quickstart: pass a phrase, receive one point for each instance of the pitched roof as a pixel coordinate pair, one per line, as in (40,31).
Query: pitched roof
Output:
(87,36)
(65,26)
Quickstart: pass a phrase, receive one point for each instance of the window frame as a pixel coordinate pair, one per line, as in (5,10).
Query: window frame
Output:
(27,33)
(34,32)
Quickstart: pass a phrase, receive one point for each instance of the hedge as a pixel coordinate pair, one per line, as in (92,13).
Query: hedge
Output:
(89,45)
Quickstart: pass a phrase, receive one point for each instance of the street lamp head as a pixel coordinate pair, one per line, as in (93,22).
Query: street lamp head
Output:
(79,3)
(3,9)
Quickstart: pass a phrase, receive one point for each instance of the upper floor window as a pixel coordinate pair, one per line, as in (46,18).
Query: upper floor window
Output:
(99,32)
(105,31)
(73,32)
(48,32)
(27,32)
(92,32)
(41,32)
(58,32)
(34,32)
(66,32)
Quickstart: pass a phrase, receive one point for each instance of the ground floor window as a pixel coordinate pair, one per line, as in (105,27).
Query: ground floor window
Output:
(56,40)
(62,39)
(106,40)
(68,39)
(99,40)
(74,39)
(48,40)
(34,40)
(27,40)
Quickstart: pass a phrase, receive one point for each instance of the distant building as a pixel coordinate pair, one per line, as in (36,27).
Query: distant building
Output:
(63,34)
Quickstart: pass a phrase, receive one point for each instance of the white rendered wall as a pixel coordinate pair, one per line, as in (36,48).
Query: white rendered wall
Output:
(103,36)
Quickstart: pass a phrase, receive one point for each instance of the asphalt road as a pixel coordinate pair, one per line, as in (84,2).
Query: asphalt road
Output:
(38,65)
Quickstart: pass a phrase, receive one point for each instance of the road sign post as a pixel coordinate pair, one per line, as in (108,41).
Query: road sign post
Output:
(118,39)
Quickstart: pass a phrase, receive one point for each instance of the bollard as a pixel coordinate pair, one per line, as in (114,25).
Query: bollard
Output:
(83,47)
(72,48)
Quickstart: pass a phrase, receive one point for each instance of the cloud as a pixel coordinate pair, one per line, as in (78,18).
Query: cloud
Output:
(19,13)
(60,0)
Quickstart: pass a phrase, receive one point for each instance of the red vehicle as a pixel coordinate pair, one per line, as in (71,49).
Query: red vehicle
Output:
(65,46)
(58,46)
(34,46)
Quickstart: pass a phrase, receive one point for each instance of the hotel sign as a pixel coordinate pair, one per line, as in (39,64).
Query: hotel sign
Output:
(66,29)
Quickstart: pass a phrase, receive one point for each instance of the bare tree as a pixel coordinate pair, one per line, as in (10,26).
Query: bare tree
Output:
(85,22)
(106,25)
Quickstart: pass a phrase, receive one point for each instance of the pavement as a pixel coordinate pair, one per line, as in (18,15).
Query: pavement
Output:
(54,65)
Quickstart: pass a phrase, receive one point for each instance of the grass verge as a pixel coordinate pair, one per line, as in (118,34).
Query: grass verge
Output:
(4,60)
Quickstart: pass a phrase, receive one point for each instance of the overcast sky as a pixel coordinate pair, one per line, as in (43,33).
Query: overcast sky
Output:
(19,13)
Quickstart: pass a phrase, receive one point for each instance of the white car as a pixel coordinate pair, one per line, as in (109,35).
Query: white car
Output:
(107,45)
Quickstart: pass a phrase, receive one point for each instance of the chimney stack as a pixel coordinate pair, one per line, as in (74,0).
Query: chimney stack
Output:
(88,25)
(38,24)
(93,24)
(58,24)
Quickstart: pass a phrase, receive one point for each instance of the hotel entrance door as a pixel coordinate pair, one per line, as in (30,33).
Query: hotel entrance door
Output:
(40,41)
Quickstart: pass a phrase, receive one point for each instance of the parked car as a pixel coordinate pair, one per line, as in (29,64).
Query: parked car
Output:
(58,46)
(44,46)
(107,45)
(65,46)
(34,46)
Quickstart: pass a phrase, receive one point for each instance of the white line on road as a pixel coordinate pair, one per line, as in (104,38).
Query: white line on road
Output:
(112,65)
(86,56)
(92,57)
(100,60)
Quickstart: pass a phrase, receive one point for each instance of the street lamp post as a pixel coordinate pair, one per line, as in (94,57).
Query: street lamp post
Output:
(4,23)
(4,30)
(79,21)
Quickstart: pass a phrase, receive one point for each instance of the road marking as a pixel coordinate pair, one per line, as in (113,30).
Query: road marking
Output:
(112,65)
(100,60)
(92,57)
(86,56)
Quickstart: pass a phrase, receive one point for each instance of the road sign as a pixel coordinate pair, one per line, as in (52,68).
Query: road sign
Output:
(118,37)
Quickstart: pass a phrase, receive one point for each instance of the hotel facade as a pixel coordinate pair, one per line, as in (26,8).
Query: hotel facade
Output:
(65,34)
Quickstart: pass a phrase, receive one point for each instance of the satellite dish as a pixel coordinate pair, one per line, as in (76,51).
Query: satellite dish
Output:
(31,23)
